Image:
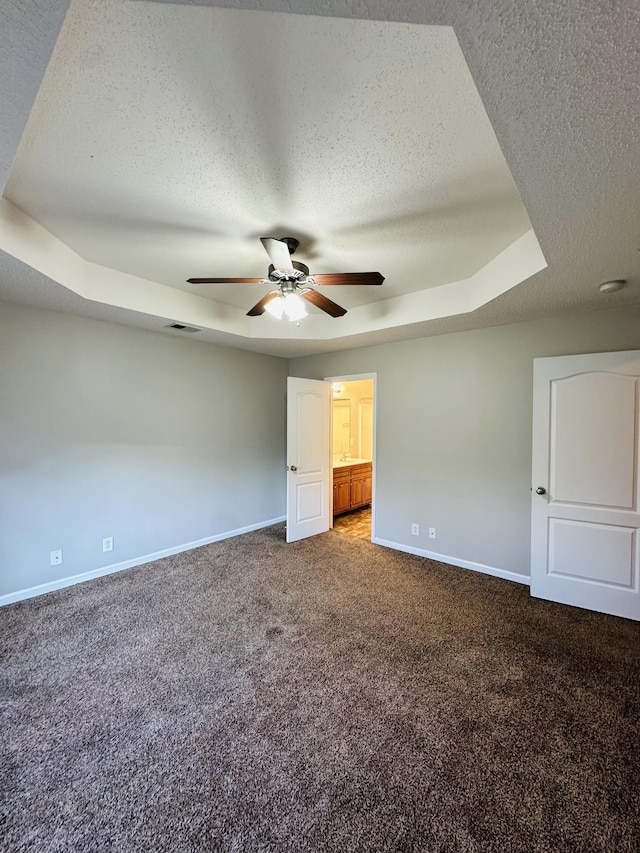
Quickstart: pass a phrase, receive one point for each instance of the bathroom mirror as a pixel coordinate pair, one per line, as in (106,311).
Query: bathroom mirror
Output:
(341,426)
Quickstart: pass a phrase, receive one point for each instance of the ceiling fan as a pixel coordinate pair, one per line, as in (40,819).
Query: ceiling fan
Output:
(293,283)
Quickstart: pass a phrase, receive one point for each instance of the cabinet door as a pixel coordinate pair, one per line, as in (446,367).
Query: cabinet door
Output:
(341,496)
(367,489)
(356,492)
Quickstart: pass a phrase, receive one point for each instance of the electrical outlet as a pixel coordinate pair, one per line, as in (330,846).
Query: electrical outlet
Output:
(107,544)
(415,529)
(56,557)
(432,533)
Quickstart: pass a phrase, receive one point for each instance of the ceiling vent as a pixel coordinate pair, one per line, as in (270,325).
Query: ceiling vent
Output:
(180,327)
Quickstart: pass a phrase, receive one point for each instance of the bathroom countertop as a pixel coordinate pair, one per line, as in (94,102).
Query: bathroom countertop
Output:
(338,463)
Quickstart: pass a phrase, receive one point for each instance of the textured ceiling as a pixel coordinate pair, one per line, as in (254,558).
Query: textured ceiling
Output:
(166,139)
(371,180)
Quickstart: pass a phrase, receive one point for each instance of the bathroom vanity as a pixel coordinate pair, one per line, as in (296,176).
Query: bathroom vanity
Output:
(352,480)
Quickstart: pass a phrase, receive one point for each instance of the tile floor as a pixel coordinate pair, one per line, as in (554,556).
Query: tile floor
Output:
(355,523)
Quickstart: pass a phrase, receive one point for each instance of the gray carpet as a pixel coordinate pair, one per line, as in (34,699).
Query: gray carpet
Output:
(328,695)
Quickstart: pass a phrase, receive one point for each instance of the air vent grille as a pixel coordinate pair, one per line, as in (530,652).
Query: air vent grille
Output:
(180,327)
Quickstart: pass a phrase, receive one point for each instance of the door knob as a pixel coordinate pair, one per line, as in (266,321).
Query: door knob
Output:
(541,490)
(293,468)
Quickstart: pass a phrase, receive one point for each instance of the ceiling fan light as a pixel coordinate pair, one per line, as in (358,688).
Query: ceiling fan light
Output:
(294,307)
(275,307)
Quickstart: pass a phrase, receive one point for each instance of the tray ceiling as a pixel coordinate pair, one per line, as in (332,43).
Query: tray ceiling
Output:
(166,138)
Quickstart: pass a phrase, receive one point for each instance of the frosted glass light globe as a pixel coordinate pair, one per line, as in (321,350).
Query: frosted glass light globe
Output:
(294,307)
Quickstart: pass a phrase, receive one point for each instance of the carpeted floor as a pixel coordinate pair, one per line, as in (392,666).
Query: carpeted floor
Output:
(328,695)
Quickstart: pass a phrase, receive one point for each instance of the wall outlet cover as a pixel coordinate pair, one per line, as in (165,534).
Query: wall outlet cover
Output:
(432,533)
(107,544)
(56,557)
(415,529)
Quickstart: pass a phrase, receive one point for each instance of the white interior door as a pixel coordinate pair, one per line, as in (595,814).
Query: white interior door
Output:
(309,457)
(585,546)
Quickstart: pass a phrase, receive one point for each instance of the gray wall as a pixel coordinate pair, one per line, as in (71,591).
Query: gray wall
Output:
(161,441)
(110,431)
(454,429)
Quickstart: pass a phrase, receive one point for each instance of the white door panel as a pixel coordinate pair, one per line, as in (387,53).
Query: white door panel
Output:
(605,403)
(309,455)
(310,417)
(309,501)
(593,552)
(584,526)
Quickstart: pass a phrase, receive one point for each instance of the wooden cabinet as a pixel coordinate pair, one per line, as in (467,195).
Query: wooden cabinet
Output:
(367,488)
(351,487)
(341,490)
(356,492)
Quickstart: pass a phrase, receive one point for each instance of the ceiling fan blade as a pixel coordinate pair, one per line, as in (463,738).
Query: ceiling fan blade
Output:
(278,253)
(321,301)
(260,307)
(348,278)
(225,280)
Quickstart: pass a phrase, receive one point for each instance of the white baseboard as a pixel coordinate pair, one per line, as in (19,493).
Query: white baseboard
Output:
(60,583)
(454,561)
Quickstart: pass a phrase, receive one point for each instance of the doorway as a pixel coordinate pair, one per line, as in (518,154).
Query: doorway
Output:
(352,449)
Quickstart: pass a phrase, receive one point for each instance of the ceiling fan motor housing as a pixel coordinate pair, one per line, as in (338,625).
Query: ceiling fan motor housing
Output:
(291,242)
(300,271)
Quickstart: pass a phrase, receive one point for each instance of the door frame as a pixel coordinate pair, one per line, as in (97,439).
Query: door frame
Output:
(354,377)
